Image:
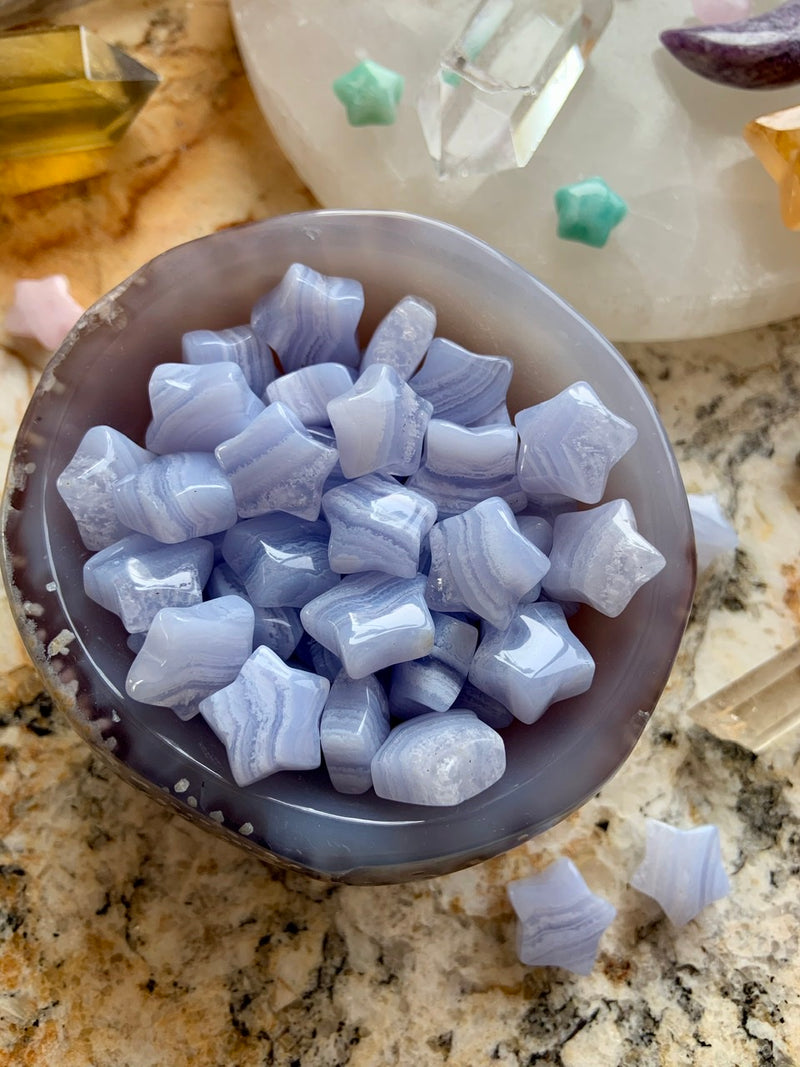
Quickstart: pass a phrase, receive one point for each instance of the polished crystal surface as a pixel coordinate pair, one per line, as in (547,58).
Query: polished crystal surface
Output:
(380,424)
(682,870)
(775,140)
(281,560)
(371,621)
(86,484)
(533,663)
(713,534)
(370,94)
(355,723)
(65,96)
(376,524)
(238,345)
(538,531)
(196,407)
(268,718)
(275,464)
(316,657)
(488,710)
(588,211)
(454,495)
(191,652)
(137,577)
(433,682)
(176,497)
(277,628)
(461,385)
(599,558)
(559,920)
(309,390)
(311,318)
(402,337)
(438,760)
(43,308)
(501,85)
(481,561)
(569,444)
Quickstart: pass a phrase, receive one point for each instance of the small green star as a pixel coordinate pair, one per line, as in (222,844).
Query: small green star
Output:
(370,94)
(588,211)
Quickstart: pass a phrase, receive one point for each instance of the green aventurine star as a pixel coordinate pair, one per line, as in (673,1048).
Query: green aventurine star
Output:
(588,211)
(370,94)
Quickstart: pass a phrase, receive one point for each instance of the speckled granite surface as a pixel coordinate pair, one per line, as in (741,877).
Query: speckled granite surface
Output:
(131,939)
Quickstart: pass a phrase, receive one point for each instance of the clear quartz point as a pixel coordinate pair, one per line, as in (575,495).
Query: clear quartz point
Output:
(499,88)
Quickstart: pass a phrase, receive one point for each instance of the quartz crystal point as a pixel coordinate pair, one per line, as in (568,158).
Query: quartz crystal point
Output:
(438,760)
(195,408)
(268,718)
(309,390)
(370,94)
(533,663)
(682,870)
(354,725)
(433,682)
(66,97)
(281,560)
(43,308)
(402,337)
(176,497)
(371,621)
(713,534)
(499,88)
(464,465)
(481,561)
(275,464)
(86,483)
(237,345)
(559,920)
(137,576)
(376,524)
(191,652)
(569,444)
(461,385)
(311,318)
(380,424)
(775,140)
(599,558)
(277,628)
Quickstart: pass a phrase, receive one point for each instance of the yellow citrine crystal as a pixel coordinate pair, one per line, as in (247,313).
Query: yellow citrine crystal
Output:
(66,96)
(775,140)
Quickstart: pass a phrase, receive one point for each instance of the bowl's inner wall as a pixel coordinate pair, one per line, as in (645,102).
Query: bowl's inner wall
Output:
(484,302)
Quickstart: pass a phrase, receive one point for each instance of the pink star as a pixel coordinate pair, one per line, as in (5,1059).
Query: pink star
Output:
(44,309)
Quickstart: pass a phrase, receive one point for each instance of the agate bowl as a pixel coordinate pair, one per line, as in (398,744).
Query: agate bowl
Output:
(485,302)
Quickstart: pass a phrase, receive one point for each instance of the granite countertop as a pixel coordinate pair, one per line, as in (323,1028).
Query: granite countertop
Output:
(131,938)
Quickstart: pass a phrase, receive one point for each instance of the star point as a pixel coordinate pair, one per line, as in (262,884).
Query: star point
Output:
(370,93)
(588,211)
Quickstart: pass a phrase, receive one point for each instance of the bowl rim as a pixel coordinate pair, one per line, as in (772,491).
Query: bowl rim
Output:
(59,673)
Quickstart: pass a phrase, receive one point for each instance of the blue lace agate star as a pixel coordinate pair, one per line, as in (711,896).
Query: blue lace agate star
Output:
(238,345)
(371,621)
(682,870)
(599,558)
(376,524)
(402,337)
(533,663)
(311,318)
(433,682)
(191,652)
(275,464)
(276,627)
(354,725)
(569,444)
(268,718)
(176,497)
(86,485)
(379,424)
(197,407)
(438,760)
(462,386)
(559,920)
(308,391)
(481,562)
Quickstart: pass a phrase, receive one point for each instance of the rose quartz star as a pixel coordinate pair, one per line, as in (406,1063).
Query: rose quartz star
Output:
(44,309)
(716,11)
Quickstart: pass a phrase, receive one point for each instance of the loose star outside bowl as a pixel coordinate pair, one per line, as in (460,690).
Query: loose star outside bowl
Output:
(485,302)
